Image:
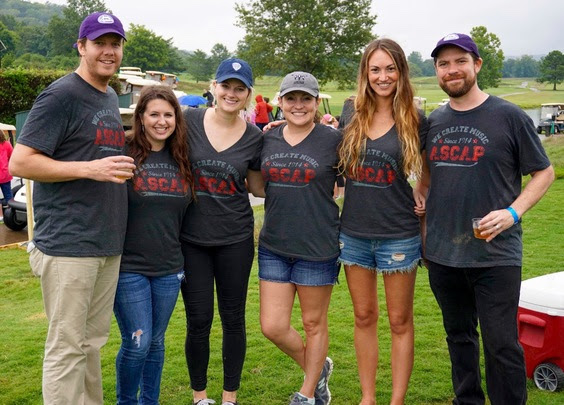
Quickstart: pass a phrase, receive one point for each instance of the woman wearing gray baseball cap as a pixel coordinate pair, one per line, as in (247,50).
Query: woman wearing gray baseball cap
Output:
(218,231)
(297,254)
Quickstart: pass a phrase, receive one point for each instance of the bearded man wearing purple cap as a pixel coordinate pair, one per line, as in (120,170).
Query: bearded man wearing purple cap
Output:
(72,147)
(477,150)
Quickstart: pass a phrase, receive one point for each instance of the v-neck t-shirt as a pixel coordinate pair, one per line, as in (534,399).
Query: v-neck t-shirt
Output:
(301,218)
(221,213)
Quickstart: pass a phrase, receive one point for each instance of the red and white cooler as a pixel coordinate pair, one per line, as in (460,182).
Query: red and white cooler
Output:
(540,319)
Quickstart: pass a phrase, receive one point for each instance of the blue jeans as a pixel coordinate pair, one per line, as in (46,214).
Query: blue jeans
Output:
(6,192)
(488,295)
(143,307)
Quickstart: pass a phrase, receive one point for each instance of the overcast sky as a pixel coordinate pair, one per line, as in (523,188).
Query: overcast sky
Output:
(532,27)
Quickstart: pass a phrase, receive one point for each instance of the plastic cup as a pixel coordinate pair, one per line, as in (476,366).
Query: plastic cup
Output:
(124,177)
(475,225)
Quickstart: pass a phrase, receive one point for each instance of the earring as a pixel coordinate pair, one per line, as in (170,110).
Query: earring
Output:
(142,128)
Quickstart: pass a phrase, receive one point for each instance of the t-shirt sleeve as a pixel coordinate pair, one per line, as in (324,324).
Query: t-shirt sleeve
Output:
(532,156)
(46,124)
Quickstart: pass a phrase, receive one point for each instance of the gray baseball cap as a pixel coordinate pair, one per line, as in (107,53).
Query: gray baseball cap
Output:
(299,81)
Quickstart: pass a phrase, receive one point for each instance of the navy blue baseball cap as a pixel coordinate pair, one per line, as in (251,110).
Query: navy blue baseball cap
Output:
(462,41)
(234,68)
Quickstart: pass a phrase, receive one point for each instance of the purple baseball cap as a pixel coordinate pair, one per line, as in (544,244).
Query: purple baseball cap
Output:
(98,24)
(462,41)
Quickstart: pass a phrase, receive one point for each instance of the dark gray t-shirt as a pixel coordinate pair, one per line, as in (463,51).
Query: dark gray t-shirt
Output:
(476,159)
(73,121)
(221,213)
(301,218)
(379,202)
(157,200)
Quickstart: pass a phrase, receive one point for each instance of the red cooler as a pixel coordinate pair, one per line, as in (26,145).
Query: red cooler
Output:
(541,329)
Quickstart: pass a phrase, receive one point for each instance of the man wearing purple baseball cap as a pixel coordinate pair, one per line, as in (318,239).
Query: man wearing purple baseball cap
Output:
(477,149)
(72,146)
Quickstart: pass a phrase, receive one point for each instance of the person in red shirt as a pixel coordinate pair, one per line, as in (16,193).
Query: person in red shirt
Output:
(261,110)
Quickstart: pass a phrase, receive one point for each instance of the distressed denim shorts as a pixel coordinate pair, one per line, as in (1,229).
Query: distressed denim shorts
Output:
(381,255)
(282,269)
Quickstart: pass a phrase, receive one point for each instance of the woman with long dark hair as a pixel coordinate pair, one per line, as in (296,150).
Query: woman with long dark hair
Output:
(152,265)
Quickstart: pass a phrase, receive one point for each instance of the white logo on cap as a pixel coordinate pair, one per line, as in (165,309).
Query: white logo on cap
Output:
(236,66)
(105,19)
(451,37)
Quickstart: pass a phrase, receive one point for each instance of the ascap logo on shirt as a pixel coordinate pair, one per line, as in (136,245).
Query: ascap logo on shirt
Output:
(460,146)
(289,169)
(160,179)
(110,135)
(378,169)
(215,178)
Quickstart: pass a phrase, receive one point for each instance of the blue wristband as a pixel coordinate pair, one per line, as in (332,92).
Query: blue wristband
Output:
(513,214)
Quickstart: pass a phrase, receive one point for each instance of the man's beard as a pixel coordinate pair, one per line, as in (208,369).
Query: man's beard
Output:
(458,91)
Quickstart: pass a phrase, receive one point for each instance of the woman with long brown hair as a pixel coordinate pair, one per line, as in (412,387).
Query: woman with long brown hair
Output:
(379,228)
(152,265)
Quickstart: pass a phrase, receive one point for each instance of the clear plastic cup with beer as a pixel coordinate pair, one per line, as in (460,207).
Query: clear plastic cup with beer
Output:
(475,225)
(124,177)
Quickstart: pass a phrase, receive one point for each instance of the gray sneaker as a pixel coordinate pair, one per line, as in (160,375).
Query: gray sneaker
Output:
(322,393)
(298,399)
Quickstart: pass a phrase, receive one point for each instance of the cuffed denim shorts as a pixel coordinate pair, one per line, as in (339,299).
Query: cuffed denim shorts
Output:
(381,255)
(281,269)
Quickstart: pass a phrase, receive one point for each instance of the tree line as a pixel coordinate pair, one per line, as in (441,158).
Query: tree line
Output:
(323,37)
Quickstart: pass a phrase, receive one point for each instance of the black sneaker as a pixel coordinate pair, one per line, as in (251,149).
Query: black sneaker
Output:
(322,393)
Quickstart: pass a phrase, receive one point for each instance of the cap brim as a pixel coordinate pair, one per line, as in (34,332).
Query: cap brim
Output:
(97,34)
(310,92)
(224,78)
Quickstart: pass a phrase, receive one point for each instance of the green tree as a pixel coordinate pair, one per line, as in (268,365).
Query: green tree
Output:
(415,58)
(219,52)
(8,42)
(323,37)
(527,67)
(428,68)
(63,31)
(145,49)
(508,69)
(414,70)
(489,47)
(552,68)
(199,66)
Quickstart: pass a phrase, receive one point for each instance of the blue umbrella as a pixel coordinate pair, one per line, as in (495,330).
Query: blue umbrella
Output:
(192,100)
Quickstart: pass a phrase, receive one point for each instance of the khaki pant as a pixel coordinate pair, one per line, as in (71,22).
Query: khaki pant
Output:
(78,294)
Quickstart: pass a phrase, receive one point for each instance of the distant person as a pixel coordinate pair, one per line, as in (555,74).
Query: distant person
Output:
(218,231)
(152,266)
(336,121)
(380,231)
(72,146)
(477,149)
(298,243)
(5,176)
(209,97)
(261,112)
(327,119)
(347,113)
(270,116)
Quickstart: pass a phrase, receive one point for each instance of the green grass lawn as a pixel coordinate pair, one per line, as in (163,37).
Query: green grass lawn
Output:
(269,377)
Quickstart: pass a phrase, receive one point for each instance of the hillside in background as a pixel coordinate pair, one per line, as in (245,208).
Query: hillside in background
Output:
(30,13)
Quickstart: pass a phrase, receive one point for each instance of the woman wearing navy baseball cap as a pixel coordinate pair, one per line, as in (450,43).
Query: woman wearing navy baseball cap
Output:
(218,231)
